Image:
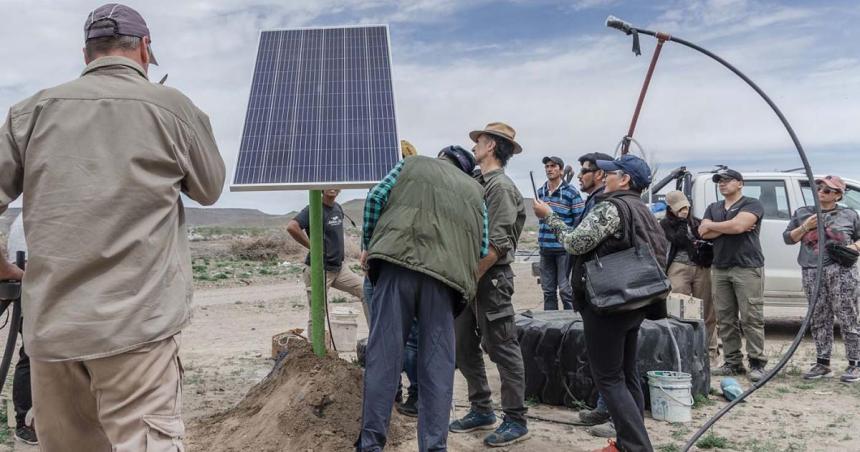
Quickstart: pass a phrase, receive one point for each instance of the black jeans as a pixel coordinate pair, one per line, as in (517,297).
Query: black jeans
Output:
(612,344)
(22,398)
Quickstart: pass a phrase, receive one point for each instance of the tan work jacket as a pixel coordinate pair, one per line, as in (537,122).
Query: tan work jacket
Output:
(101,162)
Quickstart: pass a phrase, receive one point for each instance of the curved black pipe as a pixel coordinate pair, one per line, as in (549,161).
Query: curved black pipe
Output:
(14,328)
(619,24)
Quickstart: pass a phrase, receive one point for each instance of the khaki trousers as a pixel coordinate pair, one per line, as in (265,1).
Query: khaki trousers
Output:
(696,281)
(737,295)
(344,280)
(129,402)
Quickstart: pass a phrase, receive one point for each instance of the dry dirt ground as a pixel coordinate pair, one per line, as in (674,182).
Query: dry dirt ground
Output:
(227,350)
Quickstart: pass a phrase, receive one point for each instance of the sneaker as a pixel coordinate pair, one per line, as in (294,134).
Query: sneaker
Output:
(593,417)
(508,433)
(611,447)
(604,430)
(852,374)
(727,370)
(473,421)
(756,373)
(26,435)
(817,371)
(409,407)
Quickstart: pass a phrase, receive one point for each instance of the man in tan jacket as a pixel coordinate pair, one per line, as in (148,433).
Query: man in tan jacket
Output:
(101,162)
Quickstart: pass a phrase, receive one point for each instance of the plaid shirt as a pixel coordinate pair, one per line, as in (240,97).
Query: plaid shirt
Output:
(567,204)
(377,199)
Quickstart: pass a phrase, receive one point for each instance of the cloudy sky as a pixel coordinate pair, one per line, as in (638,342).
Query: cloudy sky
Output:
(551,69)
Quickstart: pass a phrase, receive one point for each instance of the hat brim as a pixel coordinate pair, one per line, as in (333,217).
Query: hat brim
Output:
(830,183)
(718,177)
(607,165)
(676,207)
(476,133)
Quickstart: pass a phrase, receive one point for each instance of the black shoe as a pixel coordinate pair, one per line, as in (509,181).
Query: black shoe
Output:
(593,417)
(409,407)
(26,435)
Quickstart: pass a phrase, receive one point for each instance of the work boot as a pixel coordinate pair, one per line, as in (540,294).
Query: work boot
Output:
(508,433)
(604,430)
(26,435)
(593,417)
(727,370)
(610,447)
(851,375)
(473,421)
(756,371)
(409,407)
(817,371)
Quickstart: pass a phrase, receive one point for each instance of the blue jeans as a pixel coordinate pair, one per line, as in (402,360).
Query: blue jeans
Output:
(554,277)
(410,354)
(401,296)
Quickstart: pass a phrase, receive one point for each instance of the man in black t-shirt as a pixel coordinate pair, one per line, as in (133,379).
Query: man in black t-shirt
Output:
(737,274)
(335,275)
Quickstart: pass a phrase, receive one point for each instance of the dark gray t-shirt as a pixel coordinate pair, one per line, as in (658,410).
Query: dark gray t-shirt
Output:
(332,234)
(737,250)
(841,225)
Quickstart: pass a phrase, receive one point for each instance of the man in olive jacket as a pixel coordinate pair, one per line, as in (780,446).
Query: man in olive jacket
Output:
(489,321)
(425,229)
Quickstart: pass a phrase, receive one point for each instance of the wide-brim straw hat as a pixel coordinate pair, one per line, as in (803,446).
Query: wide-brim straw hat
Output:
(498,129)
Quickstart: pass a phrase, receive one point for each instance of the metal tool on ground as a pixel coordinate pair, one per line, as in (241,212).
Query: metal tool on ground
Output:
(627,28)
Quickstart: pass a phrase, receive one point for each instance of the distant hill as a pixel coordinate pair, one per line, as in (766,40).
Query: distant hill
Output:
(354,208)
(250,218)
(196,216)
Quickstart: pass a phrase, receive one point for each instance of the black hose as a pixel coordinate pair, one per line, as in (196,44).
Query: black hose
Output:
(11,342)
(14,328)
(627,28)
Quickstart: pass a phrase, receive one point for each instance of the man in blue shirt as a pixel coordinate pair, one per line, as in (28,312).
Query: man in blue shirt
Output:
(554,261)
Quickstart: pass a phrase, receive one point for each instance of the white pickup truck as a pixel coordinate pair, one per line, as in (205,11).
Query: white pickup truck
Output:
(781,193)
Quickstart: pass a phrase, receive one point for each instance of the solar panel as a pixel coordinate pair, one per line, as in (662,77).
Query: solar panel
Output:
(321,111)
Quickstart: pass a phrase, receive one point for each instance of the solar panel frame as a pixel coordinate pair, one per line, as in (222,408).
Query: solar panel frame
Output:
(348,184)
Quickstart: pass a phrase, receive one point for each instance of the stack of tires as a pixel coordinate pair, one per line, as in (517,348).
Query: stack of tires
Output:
(556,363)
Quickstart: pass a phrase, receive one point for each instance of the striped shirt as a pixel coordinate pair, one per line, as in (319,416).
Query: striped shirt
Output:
(377,199)
(567,204)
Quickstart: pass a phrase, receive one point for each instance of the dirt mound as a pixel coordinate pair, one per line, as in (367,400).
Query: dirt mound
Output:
(306,403)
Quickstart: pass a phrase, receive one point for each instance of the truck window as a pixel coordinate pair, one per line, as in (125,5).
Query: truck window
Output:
(851,199)
(773,196)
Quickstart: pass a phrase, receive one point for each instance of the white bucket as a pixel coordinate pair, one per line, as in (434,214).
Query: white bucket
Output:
(671,399)
(344,329)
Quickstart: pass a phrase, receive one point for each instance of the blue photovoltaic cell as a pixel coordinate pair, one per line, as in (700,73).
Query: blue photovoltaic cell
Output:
(320,112)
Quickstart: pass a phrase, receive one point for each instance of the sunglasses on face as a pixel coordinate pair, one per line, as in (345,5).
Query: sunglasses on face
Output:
(584,171)
(827,190)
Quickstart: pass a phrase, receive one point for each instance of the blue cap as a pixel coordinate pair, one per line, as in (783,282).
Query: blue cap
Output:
(639,171)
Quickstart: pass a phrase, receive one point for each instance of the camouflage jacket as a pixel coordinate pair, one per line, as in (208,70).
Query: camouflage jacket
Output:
(602,222)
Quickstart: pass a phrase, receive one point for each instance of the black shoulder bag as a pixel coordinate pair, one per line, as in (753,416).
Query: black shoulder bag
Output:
(626,280)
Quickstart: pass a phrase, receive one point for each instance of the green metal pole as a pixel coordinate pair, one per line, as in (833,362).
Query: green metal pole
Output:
(317,274)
